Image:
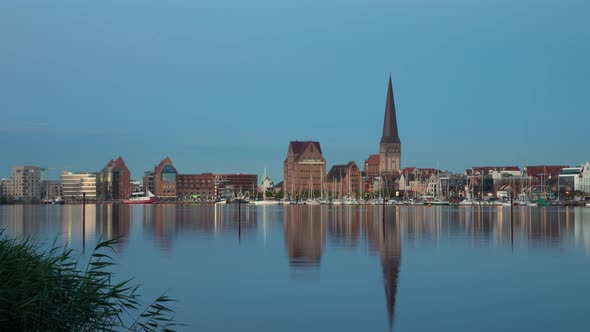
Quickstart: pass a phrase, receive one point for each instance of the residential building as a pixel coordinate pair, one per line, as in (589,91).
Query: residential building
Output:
(390,147)
(584,179)
(266,185)
(25,183)
(74,185)
(51,190)
(114,181)
(452,185)
(569,179)
(572,179)
(196,186)
(165,179)
(6,187)
(236,183)
(304,168)
(148,181)
(415,182)
(371,167)
(371,173)
(486,181)
(345,180)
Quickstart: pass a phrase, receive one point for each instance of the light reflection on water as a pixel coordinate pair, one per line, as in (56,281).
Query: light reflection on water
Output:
(330,254)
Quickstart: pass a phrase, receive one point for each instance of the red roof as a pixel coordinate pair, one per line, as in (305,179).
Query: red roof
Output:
(164,162)
(544,171)
(299,146)
(373,160)
(408,170)
(119,164)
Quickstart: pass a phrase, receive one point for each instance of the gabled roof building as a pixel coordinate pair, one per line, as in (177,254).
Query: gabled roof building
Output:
(344,180)
(304,168)
(114,181)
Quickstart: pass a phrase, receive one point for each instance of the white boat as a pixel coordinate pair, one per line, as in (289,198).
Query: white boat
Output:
(148,198)
(266,202)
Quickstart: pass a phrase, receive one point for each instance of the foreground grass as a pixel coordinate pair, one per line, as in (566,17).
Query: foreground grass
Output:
(47,290)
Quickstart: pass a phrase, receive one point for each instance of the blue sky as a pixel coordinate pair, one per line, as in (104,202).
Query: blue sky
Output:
(224,85)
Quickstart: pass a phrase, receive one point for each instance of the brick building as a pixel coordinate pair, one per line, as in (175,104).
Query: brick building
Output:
(344,180)
(304,168)
(114,181)
(371,173)
(236,183)
(165,175)
(193,186)
(167,183)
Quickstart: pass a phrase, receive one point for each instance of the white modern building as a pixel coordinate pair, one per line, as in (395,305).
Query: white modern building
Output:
(74,185)
(575,179)
(584,178)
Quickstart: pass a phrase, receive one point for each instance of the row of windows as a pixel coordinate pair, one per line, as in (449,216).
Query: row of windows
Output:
(196,181)
(198,185)
(195,193)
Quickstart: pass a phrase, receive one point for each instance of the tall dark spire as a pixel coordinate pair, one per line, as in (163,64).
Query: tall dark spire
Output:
(390,122)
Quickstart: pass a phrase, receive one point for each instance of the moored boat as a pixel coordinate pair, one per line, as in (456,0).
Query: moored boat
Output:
(149,198)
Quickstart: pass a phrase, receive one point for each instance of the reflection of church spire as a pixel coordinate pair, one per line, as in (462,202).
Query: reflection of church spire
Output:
(391,254)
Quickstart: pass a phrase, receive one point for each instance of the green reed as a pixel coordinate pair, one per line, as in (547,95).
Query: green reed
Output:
(49,290)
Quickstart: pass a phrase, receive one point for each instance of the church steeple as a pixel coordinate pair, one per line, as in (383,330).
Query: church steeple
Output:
(390,122)
(390,147)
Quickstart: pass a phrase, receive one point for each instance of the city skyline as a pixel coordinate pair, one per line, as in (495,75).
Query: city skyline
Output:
(224,87)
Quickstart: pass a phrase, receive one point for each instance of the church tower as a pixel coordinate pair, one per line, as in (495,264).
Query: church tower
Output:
(390,147)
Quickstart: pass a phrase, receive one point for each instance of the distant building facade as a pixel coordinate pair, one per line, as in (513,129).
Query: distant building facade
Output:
(114,181)
(371,174)
(572,179)
(584,180)
(345,180)
(304,168)
(148,182)
(165,175)
(236,183)
(416,182)
(24,183)
(167,183)
(200,186)
(51,189)
(266,185)
(6,187)
(390,147)
(74,185)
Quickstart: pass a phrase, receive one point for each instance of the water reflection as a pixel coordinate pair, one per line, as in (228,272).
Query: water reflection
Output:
(304,232)
(391,255)
(308,235)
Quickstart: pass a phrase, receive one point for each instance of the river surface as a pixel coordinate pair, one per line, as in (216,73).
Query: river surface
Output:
(341,268)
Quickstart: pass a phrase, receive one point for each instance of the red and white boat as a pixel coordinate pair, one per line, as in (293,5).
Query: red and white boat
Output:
(147,199)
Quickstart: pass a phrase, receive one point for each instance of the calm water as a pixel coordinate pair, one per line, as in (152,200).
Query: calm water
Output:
(322,268)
